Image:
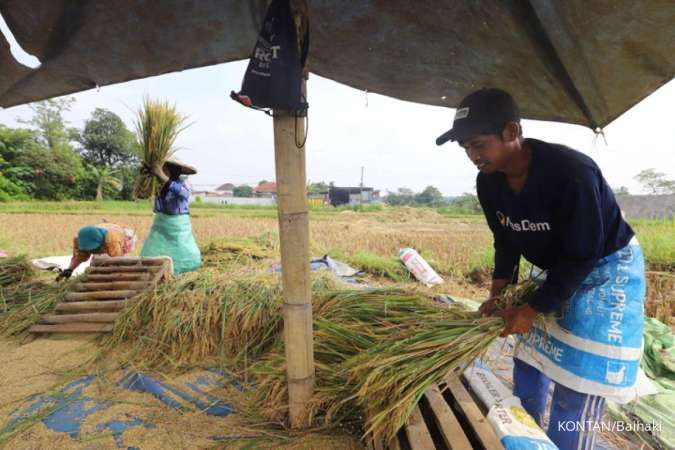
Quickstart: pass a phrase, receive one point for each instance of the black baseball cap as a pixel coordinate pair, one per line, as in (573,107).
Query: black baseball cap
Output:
(486,111)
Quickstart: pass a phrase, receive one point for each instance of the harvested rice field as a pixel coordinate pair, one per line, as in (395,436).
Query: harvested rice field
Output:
(198,361)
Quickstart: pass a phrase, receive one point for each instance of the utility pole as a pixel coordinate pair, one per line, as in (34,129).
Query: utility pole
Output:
(361,185)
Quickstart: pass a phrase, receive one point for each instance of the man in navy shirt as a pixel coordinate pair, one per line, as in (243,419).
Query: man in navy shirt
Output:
(552,206)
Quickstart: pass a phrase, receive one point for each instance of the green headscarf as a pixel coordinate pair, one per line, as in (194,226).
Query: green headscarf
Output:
(90,238)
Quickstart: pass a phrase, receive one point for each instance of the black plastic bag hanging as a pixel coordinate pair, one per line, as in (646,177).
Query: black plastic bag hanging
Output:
(273,78)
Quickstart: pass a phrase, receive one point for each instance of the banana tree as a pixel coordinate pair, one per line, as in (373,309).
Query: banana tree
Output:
(105,177)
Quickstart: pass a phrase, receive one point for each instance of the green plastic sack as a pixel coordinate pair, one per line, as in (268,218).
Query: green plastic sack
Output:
(171,235)
(658,363)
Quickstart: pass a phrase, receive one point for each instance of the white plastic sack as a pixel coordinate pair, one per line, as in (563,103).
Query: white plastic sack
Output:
(514,427)
(419,267)
(58,262)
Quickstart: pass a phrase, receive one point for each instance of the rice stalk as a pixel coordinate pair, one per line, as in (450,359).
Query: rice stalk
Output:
(26,303)
(226,252)
(202,316)
(380,266)
(157,126)
(14,270)
(376,352)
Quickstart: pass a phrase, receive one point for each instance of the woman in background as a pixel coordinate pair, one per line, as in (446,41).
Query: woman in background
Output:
(171,232)
(102,239)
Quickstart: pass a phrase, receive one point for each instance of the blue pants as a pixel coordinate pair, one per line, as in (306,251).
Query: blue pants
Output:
(573,415)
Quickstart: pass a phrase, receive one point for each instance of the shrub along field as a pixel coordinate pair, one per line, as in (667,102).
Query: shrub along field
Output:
(459,247)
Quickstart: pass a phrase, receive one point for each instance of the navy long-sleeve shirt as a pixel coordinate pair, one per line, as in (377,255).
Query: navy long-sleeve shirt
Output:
(564,220)
(176,199)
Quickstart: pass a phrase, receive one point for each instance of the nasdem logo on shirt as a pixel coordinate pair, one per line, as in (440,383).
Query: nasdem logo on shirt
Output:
(523,225)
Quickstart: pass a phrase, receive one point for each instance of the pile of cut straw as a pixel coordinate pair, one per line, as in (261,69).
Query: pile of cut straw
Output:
(376,351)
(14,270)
(206,315)
(24,304)
(223,253)
(157,127)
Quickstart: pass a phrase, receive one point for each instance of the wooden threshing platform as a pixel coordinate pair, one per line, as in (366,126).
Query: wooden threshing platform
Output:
(447,417)
(98,296)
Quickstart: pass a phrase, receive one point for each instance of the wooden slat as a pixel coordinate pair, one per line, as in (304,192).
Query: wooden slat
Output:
(97,317)
(451,430)
(93,278)
(128,261)
(105,305)
(98,295)
(417,432)
(113,285)
(72,328)
(479,423)
(123,269)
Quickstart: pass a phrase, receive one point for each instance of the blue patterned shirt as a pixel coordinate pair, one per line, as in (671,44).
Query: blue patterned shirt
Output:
(176,199)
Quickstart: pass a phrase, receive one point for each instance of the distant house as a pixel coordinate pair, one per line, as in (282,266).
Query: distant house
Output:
(352,195)
(318,199)
(226,190)
(266,190)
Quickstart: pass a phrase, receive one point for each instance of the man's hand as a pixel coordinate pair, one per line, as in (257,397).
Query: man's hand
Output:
(519,319)
(64,275)
(488,307)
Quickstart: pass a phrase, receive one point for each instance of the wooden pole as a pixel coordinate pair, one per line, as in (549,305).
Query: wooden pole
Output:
(294,237)
(289,131)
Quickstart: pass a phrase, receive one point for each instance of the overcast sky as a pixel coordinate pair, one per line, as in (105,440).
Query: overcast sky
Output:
(393,140)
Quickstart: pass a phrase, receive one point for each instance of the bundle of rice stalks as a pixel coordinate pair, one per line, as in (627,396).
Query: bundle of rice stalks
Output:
(380,266)
(26,303)
(224,252)
(205,315)
(157,127)
(346,323)
(516,294)
(376,353)
(14,270)
(390,378)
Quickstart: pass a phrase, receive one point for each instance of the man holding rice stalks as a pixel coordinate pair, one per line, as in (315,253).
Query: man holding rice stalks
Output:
(551,205)
(102,239)
(171,232)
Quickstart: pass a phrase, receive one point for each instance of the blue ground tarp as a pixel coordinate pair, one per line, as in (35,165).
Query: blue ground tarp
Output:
(65,410)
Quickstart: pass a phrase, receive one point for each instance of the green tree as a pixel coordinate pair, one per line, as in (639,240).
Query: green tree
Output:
(467,203)
(13,166)
(104,177)
(48,120)
(317,188)
(429,196)
(38,171)
(655,182)
(243,191)
(106,141)
(127,175)
(10,191)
